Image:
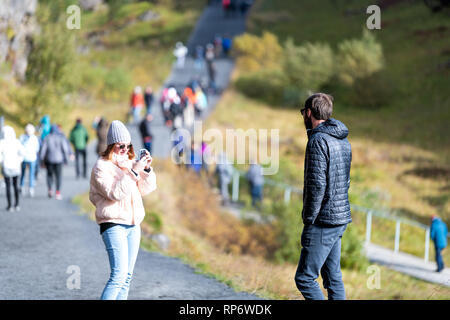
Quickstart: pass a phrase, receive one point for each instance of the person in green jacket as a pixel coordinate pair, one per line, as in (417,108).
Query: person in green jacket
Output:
(79,138)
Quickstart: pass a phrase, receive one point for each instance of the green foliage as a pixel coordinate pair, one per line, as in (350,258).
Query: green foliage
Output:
(117,83)
(352,255)
(309,66)
(359,58)
(294,96)
(267,85)
(54,8)
(49,70)
(288,232)
(115,8)
(154,220)
(120,10)
(374,91)
(257,53)
(287,75)
(111,84)
(52,53)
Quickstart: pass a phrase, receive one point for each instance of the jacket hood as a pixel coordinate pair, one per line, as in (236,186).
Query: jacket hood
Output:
(55,129)
(45,120)
(331,127)
(8,133)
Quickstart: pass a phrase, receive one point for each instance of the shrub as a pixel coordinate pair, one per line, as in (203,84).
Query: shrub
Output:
(288,230)
(294,96)
(266,86)
(154,220)
(49,69)
(374,91)
(352,255)
(117,83)
(92,78)
(105,83)
(308,67)
(358,58)
(257,53)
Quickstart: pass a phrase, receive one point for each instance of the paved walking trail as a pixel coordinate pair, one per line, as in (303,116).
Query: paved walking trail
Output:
(40,243)
(210,23)
(408,264)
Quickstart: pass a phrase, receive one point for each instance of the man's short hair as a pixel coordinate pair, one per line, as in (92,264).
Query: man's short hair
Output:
(321,105)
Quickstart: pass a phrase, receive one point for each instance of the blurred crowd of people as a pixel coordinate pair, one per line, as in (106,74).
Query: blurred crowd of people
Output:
(205,59)
(231,8)
(41,146)
(180,107)
(138,101)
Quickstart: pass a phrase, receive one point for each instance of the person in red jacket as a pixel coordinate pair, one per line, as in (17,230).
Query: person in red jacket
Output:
(137,103)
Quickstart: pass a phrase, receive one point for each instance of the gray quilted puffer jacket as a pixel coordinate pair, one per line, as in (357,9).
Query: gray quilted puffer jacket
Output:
(327,175)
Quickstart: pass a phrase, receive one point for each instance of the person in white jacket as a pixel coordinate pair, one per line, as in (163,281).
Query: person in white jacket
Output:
(118,182)
(12,154)
(31,145)
(180,53)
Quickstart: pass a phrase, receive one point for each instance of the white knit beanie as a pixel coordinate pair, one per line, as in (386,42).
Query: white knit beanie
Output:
(30,129)
(117,132)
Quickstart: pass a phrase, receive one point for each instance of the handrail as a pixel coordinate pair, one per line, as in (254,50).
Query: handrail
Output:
(376,212)
(369,212)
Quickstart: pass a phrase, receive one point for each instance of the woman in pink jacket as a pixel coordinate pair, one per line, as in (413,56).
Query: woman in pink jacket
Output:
(117,185)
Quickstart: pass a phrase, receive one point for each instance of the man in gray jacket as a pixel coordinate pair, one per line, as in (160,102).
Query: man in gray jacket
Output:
(256,182)
(326,208)
(55,152)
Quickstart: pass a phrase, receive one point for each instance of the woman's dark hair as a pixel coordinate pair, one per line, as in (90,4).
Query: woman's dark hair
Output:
(107,154)
(321,105)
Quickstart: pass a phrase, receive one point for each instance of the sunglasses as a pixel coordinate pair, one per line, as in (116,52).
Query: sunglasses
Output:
(302,111)
(123,146)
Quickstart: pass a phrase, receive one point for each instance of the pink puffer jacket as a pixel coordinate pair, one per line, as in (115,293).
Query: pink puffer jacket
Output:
(117,193)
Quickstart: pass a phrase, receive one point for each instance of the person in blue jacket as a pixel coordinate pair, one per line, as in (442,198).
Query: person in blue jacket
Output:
(438,234)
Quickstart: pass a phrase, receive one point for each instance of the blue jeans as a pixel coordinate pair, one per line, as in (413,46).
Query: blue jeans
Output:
(122,244)
(256,193)
(136,114)
(31,177)
(321,252)
(148,146)
(439,260)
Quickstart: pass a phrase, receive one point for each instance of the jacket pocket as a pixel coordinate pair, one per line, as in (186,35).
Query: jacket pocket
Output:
(329,235)
(110,209)
(310,235)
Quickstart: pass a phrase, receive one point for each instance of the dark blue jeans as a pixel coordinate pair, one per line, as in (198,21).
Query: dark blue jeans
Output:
(439,260)
(256,193)
(148,146)
(321,252)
